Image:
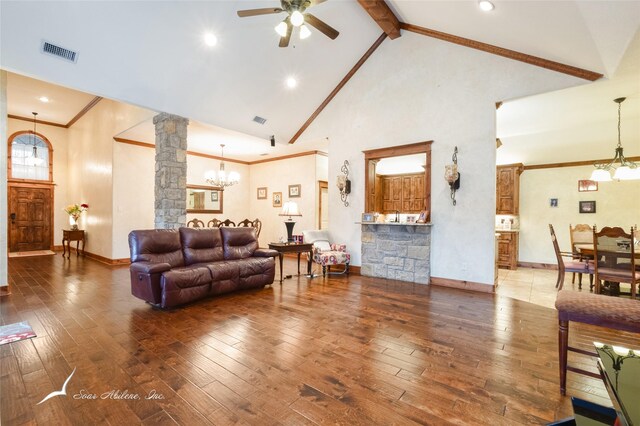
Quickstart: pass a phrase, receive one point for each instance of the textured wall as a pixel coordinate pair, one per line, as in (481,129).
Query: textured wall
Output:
(416,89)
(3,180)
(617,204)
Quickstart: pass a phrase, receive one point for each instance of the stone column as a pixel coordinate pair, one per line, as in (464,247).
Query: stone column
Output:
(171,171)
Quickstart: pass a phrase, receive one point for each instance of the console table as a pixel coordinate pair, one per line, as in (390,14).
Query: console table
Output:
(69,235)
(282,248)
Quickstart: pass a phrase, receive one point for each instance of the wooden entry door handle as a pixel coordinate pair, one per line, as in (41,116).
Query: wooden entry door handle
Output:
(13,218)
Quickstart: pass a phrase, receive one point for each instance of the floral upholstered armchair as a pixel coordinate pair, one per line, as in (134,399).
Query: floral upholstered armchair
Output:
(326,254)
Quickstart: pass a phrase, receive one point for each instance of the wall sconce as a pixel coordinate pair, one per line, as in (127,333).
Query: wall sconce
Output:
(344,184)
(452,176)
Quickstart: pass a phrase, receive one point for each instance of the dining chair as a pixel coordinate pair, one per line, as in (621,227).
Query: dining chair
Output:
(195,223)
(213,223)
(573,265)
(227,222)
(615,258)
(581,234)
(256,223)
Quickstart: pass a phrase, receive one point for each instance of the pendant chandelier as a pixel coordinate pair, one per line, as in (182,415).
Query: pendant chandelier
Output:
(622,168)
(220,178)
(33,159)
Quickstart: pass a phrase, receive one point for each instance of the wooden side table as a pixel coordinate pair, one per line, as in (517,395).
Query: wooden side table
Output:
(282,248)
(69,235)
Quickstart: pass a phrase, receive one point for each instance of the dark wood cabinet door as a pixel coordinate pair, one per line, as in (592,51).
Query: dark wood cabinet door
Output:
(29,218)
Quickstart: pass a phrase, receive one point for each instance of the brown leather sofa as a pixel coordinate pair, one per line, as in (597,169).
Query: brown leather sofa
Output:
(170,267)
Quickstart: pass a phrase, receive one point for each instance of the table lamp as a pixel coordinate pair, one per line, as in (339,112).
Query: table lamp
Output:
(290,208)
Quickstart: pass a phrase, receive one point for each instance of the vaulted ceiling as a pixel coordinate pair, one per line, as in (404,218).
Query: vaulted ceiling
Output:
(152,53)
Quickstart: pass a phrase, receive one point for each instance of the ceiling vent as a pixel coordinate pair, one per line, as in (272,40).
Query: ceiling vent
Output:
(60,52)
(259,120)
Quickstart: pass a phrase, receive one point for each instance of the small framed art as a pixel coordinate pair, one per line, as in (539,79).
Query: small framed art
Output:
(262,193)
(294,191)
(587,185)
(587,206)
(368,218)
(277,199)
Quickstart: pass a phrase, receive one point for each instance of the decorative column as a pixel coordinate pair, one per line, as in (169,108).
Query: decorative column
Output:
(171,171)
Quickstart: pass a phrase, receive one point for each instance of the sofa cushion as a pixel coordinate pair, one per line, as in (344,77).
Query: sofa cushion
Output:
(239,243)
(225,270)
(156,246)
(201,245)
(190,276)
(253,266)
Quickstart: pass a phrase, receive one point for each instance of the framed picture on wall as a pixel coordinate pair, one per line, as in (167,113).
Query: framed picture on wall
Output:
(587,185)
(553,202)
(587,206)
(294,191)
(262,193)
(277,199)
(214,196)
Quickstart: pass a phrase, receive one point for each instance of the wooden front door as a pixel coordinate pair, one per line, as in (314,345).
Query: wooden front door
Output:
(29,218)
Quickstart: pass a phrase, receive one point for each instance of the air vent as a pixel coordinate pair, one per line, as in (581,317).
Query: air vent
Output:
(264,154)
(60,52)
(259,120)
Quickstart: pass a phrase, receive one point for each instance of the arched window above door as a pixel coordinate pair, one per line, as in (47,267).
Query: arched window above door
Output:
(30,157)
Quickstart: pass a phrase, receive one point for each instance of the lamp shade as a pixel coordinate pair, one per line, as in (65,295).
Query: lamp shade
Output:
(600,175)
(290,208)
(624,173)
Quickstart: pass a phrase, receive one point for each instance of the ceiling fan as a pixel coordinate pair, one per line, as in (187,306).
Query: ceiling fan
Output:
(297,17)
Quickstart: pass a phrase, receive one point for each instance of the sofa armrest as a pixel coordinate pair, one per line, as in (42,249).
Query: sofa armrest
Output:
(149,267)
(265,253)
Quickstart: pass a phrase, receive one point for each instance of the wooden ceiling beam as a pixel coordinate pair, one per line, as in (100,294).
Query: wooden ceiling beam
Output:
(507,53)
(380,11)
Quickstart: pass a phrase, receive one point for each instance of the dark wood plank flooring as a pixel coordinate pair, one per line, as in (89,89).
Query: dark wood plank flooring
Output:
(342,351)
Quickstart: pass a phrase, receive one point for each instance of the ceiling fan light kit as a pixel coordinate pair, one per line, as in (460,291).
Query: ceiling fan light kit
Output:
(486,5)
(297,17)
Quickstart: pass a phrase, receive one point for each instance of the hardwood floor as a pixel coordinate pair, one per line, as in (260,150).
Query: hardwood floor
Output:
(342,350)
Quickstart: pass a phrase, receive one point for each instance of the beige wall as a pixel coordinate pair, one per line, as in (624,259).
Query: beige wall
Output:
(276,176)
(58,137)
(90,169)
(235,198)
(4,277)
(617,204)
(416,89)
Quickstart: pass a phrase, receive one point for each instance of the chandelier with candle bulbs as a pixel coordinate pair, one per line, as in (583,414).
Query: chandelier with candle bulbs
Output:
(220,178)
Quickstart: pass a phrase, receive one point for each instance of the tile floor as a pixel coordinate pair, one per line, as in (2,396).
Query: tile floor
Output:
(536,286)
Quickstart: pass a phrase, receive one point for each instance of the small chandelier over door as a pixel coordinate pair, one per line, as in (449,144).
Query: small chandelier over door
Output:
(220,178)
(626,170)
(33,159)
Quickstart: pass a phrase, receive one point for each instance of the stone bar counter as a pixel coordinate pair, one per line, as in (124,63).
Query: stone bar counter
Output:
(398,251)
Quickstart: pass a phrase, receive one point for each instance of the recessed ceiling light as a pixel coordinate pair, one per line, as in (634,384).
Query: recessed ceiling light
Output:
(486,5)
(291,82)
(210,39)
(43,99)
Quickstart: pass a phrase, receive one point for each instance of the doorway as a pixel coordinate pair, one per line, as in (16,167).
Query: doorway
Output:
(323,205)
(30,217)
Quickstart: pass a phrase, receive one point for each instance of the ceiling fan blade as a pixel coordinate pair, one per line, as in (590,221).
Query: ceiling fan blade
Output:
(316,2)
(284,41)
(256,12)
(324,28)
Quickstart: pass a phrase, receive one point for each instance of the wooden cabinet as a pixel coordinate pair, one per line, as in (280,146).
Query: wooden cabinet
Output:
(508,250)
(404,193)
(508,188)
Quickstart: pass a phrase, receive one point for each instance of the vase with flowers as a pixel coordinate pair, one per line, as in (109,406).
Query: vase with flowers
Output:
(74,211)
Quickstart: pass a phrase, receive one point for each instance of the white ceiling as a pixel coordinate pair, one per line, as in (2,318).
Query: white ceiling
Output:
(152,54)
(575,124)
(23,94)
